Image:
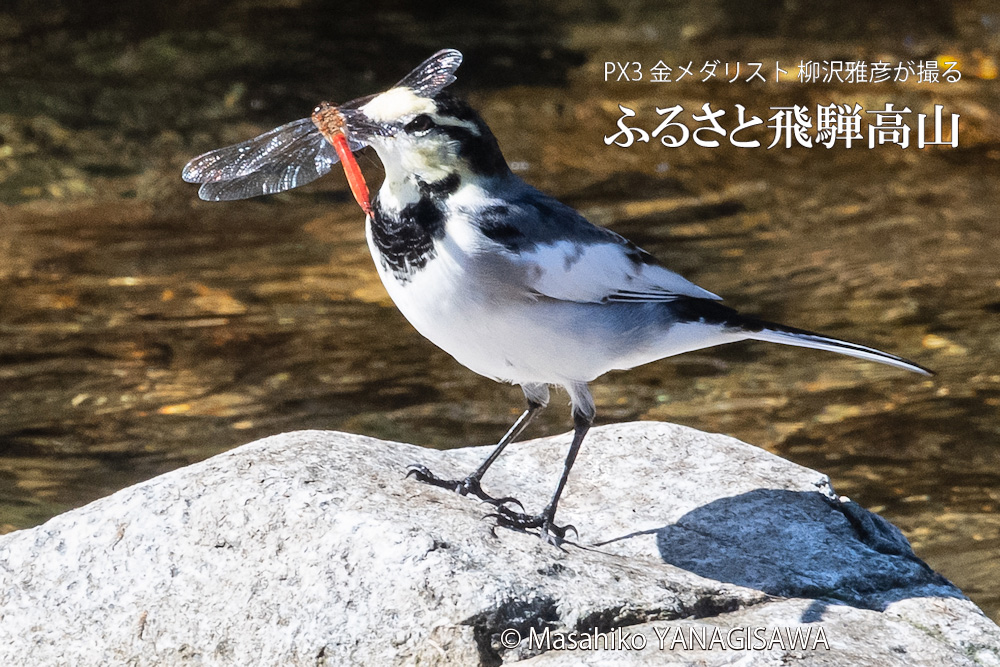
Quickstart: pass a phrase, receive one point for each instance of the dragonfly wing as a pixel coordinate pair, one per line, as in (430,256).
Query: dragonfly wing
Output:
(432,75)
(267,181)
(284,158)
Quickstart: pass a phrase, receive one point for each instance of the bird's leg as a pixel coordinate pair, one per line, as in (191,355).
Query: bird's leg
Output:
(471,484)
(545,522)
(583,417)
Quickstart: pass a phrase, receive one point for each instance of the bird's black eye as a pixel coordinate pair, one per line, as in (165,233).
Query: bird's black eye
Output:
(421,123)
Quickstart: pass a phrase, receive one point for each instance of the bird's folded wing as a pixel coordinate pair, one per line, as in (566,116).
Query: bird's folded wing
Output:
(600,273)
(557,253)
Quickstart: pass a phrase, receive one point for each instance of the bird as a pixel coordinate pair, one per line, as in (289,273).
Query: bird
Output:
(512,283)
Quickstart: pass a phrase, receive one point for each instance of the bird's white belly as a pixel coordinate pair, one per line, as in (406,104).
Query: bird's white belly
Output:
(448,308)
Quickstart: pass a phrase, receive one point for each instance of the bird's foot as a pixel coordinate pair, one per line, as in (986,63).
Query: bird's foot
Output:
(544,523)
(464,487)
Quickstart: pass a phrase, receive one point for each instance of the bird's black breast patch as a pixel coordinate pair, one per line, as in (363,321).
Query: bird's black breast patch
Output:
(405,238)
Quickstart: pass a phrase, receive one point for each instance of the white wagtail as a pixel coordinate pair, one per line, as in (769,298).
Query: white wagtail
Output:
(513,284)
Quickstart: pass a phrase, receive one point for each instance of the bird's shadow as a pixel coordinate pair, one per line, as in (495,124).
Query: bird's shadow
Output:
(798,544)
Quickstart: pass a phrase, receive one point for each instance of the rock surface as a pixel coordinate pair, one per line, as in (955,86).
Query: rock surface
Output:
(310,548)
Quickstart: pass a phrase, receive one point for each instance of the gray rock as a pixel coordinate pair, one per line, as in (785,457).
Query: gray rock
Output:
(310,548)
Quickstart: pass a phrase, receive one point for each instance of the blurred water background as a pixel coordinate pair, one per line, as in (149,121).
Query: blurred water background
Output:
(142,329)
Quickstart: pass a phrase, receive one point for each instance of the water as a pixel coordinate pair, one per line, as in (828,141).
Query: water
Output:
(141,329)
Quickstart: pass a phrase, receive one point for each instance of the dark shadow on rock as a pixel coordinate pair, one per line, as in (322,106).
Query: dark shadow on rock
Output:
(800,544)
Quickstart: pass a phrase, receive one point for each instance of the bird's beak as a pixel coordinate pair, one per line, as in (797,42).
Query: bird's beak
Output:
(361,129)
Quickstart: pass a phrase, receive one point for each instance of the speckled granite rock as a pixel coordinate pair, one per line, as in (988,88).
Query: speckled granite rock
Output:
(311,548)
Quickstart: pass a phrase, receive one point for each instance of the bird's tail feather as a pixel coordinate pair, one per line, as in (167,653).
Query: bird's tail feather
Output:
(778,333)
(707,311)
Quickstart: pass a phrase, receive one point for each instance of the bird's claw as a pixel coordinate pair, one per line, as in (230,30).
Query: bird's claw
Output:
(547,528)
(468,486)
(422,474)
(505,517)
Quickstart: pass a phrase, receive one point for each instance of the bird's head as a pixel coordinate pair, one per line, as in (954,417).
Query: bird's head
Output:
(426,138)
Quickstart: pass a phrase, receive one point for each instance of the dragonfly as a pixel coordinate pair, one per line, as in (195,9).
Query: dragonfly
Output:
(301,151)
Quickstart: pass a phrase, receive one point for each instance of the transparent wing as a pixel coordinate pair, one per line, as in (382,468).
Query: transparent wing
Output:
(266,181)
(225,164)
(284,158)
(432,75)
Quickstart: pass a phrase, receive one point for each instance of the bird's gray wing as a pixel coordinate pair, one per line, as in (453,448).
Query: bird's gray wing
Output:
(561,255)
